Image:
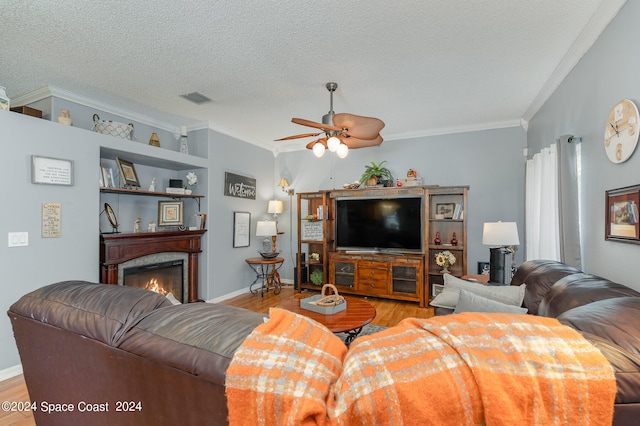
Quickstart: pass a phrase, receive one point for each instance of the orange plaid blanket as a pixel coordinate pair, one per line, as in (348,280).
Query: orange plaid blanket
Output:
(465,369)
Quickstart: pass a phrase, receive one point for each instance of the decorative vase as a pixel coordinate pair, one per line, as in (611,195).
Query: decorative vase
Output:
(154,140)
(445,269)
(187,192)
(184,144)
(437,240)
(64,117)
(4,99)
(454,241)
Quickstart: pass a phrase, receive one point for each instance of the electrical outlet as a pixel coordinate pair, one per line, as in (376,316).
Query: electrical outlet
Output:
(18,239)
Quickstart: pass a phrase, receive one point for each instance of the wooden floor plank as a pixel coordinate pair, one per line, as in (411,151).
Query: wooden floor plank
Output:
(388,314)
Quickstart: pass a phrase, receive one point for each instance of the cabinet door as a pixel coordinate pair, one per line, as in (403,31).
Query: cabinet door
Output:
(343,273)
(404,278)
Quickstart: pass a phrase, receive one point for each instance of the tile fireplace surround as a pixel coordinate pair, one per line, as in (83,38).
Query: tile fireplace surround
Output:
(118,249)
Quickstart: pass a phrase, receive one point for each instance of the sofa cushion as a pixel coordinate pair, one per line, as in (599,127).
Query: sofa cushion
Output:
(580,289)
(539,276)
(613,326)
(448,298)
(469,302)
(198,338)
(101,311)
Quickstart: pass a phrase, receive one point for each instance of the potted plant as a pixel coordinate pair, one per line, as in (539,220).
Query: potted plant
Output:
(316,277)
(375,173)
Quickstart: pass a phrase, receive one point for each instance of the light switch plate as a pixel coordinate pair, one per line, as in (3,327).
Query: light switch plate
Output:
(18,239)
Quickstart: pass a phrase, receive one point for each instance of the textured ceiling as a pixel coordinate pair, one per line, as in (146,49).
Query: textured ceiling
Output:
(423,67)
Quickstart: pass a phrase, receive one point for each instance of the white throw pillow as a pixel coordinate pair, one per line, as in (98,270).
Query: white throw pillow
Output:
(469,302)
(173,299)
(509,295)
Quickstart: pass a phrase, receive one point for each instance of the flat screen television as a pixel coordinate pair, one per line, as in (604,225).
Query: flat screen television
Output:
(384,224)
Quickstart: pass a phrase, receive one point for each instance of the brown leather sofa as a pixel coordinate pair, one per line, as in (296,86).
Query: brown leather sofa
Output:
(606,313)
(105,354)
(87,345)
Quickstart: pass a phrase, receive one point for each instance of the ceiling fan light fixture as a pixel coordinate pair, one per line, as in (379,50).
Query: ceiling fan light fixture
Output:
(318,149)
(342,151)
(333,143)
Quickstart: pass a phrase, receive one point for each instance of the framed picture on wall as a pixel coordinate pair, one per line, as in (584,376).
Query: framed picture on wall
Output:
(241,229)
(445,209)
(622,222)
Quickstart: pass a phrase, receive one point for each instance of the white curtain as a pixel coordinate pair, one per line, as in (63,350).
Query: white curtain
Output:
(541,213)
(552,203)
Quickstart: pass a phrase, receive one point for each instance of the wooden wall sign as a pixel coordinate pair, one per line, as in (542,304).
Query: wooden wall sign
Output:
(239,186)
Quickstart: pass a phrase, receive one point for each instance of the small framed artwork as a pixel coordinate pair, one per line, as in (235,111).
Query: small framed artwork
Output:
(446,210)
(621,215)
(170,213)
(107,177)
(128,172)
(51,171)
(483,268)
(436,289)
(241,229)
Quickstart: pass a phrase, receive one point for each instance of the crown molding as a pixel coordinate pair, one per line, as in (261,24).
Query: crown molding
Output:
(454,129)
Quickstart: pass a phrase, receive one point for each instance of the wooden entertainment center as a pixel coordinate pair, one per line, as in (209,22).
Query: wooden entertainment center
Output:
(400,275)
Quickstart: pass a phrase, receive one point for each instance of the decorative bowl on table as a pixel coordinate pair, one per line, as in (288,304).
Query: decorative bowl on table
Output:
(268,254)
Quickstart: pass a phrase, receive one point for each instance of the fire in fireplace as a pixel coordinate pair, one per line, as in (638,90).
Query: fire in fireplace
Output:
(163,278)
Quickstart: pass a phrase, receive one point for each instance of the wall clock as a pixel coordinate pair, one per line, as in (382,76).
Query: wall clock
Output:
(621,132)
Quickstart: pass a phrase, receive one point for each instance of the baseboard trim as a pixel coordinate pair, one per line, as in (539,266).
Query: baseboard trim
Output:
(10,372)
(285,283)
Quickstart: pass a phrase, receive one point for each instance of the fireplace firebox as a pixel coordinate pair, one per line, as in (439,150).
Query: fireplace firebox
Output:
(163,278)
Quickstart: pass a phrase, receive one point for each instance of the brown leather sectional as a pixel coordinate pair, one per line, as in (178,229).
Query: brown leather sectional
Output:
(121,355)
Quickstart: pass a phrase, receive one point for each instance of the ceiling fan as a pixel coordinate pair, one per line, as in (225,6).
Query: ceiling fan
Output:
(341,131)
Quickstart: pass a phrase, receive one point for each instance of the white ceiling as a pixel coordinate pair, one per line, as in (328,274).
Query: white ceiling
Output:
(423,67)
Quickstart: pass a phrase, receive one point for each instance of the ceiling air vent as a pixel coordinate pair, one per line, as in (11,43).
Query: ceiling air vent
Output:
(196,98)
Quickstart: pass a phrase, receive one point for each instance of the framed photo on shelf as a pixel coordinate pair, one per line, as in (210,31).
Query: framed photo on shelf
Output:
(128,172)
(107,177)
(241,229)
(170,213)
(622,222)
(445,209)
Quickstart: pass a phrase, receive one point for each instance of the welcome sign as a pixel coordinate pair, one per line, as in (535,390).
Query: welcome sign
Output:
(239,186)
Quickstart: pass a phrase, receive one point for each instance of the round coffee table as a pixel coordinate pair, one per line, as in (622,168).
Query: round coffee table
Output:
(350,321)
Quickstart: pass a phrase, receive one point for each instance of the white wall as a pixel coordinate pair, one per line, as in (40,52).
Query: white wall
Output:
(606,74)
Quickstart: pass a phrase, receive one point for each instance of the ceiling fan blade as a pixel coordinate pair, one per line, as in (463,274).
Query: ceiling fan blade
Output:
(323,141)
(317,125)
(358,126)
(304,135)
(355,143)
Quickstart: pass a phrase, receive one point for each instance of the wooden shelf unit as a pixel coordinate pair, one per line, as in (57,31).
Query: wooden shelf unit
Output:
(314,236)
(408,276)
(446,227)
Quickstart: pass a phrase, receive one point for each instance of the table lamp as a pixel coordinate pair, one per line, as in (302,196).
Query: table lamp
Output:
(502,235)
(267,228)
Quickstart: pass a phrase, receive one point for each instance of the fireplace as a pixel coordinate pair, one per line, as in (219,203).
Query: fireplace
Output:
(120,252)
(164,278)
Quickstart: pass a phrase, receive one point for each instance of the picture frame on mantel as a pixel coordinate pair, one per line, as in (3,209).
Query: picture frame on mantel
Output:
(622,221)
(170,213)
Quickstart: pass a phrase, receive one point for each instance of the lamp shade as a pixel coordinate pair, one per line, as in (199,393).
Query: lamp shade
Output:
(500,234)
(275,207)
(342,150)
(318,149)
(283,182)
(266,228)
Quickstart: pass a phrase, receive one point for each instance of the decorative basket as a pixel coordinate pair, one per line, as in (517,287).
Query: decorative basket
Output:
(113,128)
(325,304)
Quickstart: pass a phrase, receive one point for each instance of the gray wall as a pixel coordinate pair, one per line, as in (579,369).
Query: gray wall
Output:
(46,260)
(606,74)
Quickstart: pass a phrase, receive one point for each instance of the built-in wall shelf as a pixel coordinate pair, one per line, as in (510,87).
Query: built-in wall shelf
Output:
(129,191)
(148,155)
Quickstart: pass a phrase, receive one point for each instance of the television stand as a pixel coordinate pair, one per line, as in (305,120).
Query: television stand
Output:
(398,276)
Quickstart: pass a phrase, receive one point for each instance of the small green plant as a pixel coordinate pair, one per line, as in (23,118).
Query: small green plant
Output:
(378,171)
(316,277)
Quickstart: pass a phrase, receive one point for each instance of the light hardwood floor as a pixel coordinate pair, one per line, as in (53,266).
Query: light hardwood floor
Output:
(389,313)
